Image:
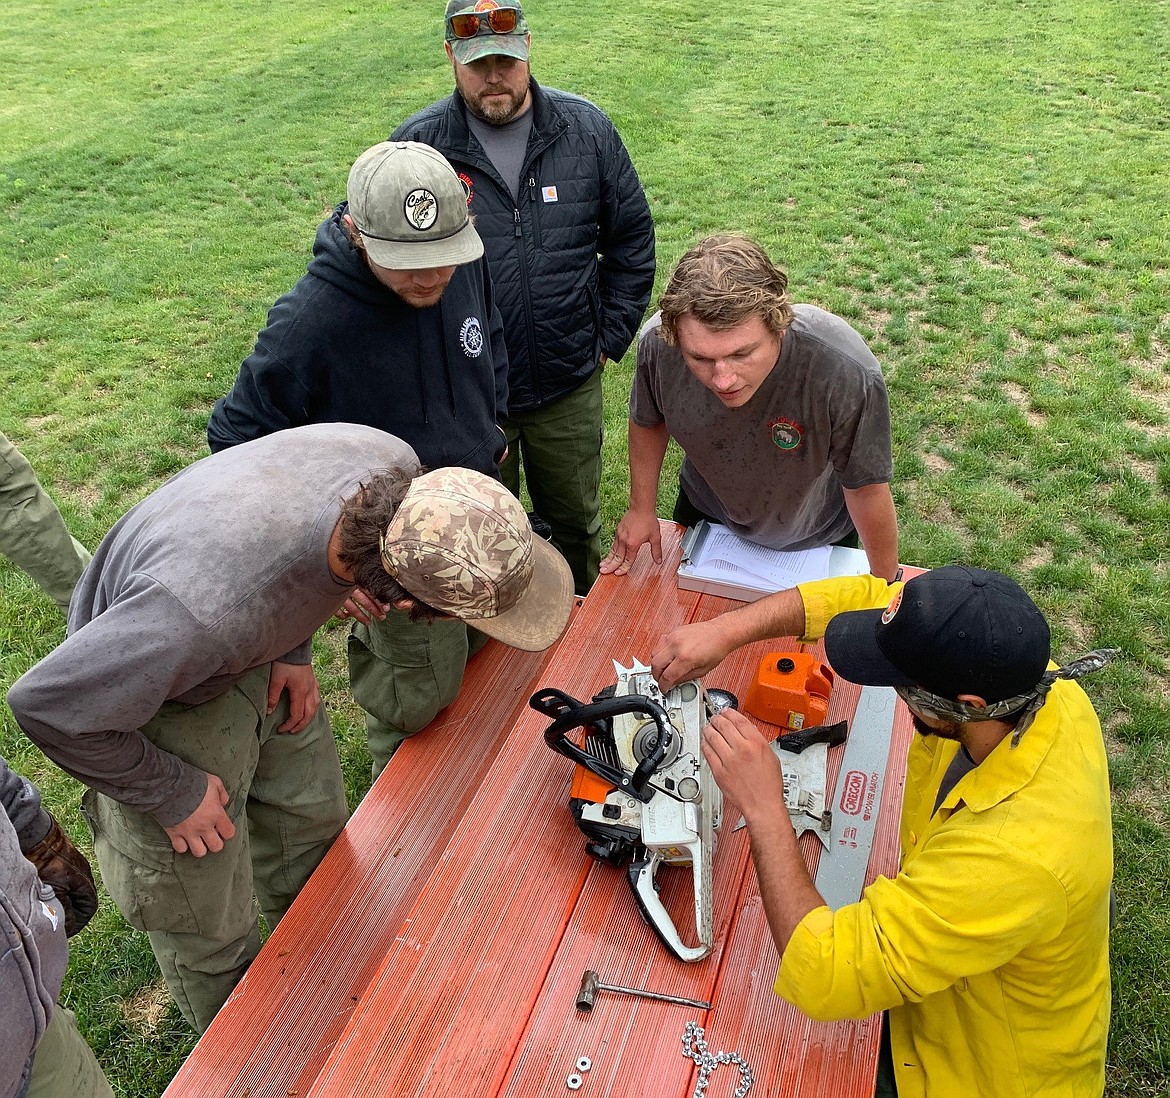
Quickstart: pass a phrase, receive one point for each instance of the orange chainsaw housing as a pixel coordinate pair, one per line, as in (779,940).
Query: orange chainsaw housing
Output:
(791,689)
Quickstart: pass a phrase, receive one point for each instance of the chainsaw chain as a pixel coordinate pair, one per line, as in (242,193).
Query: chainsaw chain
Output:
(694,1044)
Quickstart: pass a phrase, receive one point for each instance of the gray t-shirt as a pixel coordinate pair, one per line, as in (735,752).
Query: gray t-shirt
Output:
(221,570)
(505,146)
(772,471)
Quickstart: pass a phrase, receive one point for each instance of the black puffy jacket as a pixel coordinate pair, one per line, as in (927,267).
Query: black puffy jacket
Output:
(572,266)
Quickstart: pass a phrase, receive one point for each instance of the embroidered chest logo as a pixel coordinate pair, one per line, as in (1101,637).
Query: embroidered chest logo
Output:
(786,433)
(421,209)
(468,186)
(549,193)
(471,337)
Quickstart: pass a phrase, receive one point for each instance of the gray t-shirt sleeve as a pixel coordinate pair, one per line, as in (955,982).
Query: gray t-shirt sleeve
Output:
(645,410)
(85,703)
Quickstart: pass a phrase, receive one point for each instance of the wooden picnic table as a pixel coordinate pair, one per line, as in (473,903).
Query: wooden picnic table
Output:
(438,948)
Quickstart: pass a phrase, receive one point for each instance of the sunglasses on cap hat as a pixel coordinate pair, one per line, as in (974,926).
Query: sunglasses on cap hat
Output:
(493,21)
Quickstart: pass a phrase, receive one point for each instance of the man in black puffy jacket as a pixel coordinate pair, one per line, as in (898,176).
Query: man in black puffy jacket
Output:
(570,240)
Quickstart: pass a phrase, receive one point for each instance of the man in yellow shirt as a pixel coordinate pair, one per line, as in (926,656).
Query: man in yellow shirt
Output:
(989,948)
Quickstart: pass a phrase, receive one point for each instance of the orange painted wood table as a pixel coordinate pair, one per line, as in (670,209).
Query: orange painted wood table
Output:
(439,947)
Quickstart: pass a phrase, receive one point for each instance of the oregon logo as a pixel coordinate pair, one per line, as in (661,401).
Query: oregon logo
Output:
(471,337)
(786,433)
(853,793)
(421,209)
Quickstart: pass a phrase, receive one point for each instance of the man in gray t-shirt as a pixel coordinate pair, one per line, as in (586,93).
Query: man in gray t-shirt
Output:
(184,697)
(781,412)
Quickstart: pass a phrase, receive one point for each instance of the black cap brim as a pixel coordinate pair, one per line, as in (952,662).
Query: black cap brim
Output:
(854,653)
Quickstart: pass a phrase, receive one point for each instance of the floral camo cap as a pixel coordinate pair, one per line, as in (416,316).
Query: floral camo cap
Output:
(461,543)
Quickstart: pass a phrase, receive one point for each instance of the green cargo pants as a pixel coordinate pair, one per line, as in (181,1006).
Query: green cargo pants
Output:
(560,446)
(287,804)
(64,1065)
(32,532)
(402,673)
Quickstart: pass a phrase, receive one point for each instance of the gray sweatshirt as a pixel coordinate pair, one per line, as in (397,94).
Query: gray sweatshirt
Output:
(33,950)
(221,570)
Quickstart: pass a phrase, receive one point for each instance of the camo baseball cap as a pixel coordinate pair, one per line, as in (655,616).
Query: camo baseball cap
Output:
(461,543)
(410,207)
(486,42)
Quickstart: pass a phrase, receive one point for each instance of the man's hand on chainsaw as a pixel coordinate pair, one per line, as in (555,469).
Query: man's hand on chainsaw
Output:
(745,767)
(689,652)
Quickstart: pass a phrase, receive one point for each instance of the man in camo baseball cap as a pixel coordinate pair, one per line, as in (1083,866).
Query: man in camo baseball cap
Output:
(461,543)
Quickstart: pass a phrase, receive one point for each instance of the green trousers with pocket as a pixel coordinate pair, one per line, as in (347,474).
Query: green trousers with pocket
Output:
(403,673)
(33,534)
(287,804)
(560,447)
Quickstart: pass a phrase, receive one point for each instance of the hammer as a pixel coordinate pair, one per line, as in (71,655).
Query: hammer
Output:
(591,984)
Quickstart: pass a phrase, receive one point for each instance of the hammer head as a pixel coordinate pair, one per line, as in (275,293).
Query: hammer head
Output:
(587,992)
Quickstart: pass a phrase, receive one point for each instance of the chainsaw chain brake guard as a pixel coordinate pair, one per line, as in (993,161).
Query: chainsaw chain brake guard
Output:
(651,799)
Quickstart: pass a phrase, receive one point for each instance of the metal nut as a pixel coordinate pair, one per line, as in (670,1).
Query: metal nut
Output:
(573,1082)
(584,1063)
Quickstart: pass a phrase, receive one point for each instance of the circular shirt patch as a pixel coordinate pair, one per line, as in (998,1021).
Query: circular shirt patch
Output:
(889,612)
(471,337)
(786,433)
(421,209)
(468,186)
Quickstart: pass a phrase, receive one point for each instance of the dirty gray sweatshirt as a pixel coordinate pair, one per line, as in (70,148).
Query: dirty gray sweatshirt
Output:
(221,570)
(33,950)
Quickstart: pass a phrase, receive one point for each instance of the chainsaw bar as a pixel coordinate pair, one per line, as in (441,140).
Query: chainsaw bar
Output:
(858,797)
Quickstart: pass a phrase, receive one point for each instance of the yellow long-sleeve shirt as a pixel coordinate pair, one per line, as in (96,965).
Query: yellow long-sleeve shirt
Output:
(990,946)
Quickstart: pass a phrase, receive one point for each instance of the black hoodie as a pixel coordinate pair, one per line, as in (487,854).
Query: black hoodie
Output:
(340,347)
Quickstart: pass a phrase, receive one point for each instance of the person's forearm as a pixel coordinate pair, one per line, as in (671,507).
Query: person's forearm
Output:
(647,448)
(778,615)
(787,891)
(872,510)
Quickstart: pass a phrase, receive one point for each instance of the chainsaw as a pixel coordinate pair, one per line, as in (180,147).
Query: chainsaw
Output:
(642,792)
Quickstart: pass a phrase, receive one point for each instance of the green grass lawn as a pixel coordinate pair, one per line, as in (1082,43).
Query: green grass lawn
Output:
(981,189)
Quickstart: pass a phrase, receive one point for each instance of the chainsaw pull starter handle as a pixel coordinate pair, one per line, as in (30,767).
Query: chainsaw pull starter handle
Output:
(569,713)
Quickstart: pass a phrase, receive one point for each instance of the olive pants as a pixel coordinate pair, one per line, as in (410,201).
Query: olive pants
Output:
(287,804)
(32,532)
(64,1066)
(402,673)
(560,446)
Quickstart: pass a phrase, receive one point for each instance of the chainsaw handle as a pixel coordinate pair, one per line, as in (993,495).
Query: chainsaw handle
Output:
(796,742)
(569,713)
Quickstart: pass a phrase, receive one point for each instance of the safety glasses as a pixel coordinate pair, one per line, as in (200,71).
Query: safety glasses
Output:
(468,24)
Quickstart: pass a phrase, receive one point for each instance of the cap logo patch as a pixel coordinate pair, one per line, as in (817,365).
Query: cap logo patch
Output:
(487,5)
(786,433)
(421,209)
(889,612)
(471,337)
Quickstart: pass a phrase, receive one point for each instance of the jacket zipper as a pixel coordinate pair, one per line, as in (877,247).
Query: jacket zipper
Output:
(526,290)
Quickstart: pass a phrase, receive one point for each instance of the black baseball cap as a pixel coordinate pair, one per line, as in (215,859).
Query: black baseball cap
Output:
(953,630)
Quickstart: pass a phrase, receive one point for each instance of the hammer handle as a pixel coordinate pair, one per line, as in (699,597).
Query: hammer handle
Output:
(655,995)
